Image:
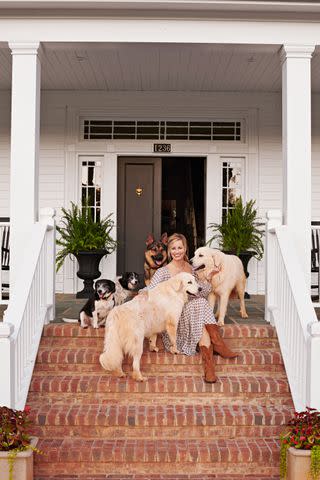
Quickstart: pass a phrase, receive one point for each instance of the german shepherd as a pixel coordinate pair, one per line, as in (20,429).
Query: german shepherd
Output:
(155,255)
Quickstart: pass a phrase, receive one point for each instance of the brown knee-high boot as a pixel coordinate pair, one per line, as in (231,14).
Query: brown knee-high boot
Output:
(208,361)
(218,344)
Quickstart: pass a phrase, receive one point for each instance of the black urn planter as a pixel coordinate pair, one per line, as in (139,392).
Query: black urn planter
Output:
(245,258)
(89,270)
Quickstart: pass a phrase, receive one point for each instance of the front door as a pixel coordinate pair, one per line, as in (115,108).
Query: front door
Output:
(157,195)
(139,209)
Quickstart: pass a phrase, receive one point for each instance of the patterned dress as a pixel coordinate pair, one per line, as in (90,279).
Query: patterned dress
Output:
(195,314)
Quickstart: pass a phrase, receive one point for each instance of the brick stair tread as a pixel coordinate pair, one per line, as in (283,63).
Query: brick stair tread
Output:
(97,342)
(227,331)
(159,477)
(158,369)
(204,451)
(159,421)
(104,389)
(158,384)
(90,355)
(167,415)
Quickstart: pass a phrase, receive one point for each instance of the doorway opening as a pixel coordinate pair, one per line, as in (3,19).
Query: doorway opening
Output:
(183,199)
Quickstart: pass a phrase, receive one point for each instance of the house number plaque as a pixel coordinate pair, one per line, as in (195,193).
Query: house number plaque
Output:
(162,147)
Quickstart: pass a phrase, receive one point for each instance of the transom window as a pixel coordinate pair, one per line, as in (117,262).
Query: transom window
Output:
(91,187)
(160,130)
(232,184)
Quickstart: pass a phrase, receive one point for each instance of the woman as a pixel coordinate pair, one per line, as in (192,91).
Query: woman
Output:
(197,323)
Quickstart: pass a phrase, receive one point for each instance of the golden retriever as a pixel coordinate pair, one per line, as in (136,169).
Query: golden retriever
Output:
(225,273)
(151,312)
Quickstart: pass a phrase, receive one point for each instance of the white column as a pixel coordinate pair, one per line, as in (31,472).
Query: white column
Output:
(25,125)
(296,145)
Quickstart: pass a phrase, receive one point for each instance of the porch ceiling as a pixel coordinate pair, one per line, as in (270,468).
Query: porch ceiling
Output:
(158,67)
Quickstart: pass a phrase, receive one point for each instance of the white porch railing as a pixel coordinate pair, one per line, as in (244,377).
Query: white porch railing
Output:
(289,308)
(4,274)
(31,306)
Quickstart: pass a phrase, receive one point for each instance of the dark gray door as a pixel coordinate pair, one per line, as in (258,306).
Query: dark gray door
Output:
(139,209)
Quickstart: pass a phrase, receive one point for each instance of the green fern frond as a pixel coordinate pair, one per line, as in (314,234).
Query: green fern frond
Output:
(79,232)
(241,231)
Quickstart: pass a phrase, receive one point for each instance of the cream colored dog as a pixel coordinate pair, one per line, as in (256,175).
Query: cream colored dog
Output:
(225,273)
(149,313)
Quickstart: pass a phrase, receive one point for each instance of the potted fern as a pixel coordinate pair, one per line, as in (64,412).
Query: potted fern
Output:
(86,239)
(240,233)
(300,447)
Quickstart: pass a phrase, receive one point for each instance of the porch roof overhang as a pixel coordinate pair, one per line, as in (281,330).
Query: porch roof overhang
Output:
(161,67)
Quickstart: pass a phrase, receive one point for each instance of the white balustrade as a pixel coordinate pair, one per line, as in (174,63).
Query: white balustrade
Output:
(31,306)
(289,308)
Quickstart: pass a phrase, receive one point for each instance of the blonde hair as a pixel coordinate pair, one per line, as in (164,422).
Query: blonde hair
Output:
(172,239)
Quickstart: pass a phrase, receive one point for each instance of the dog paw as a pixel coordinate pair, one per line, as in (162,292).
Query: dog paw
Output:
(244,315)
(138,377)
(221,323)
(153,349)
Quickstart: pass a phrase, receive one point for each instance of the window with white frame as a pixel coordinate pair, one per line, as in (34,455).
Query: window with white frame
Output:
(91,187)
(232,183)
(111,129)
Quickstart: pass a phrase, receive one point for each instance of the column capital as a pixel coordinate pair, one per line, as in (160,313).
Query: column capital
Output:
(24,48)
(296,51)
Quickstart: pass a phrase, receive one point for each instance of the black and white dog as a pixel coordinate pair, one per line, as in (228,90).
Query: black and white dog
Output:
(96,309)
(127,287)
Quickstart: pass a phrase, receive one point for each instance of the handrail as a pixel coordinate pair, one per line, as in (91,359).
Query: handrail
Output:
(31,306)
(4,225)
(290,309)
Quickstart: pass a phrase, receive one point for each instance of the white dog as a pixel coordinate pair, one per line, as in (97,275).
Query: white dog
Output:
(149,313)
(225,273)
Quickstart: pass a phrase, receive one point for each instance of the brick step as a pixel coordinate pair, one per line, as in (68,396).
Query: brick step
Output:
(91,355)
(196,432)
(97,342)
(227,331)
(157,456)
(147,369)
(158,421)
(160,477)
(97,388)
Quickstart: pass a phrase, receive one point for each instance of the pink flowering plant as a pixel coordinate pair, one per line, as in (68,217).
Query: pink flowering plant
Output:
(15,433)
(303,433)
